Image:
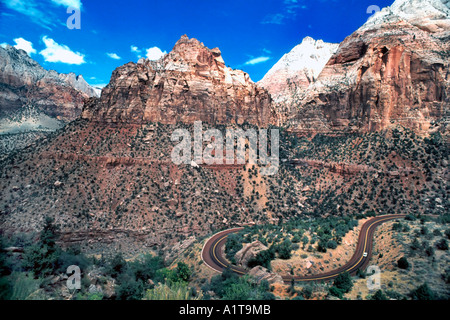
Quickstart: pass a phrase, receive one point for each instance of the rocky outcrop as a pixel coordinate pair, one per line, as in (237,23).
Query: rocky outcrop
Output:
(248,252)
(32,97)
(261,273)
(394,70)
(188,84)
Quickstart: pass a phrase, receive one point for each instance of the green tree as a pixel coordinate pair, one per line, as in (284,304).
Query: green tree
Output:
(403,263)
(49,233)
(129,288)
(182,272)
(117,265)
(42,258)
(343,282)
(262,258)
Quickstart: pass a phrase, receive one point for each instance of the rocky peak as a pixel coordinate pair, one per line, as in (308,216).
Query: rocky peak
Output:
(290,77)
(391,71)
(429,15)
(189,83)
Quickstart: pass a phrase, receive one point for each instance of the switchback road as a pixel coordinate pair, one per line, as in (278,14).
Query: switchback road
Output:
(213,253)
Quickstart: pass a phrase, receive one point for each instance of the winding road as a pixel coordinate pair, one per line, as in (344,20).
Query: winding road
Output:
(213,253)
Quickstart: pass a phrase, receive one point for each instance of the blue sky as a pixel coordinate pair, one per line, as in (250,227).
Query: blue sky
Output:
(252,35)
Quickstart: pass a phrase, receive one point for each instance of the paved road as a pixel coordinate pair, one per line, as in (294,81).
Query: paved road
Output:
(213,252)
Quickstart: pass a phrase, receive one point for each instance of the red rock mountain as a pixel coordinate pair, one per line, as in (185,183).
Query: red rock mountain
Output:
(190,83)
(393,70)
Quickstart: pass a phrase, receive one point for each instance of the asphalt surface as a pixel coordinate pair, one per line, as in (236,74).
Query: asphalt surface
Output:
(214,257)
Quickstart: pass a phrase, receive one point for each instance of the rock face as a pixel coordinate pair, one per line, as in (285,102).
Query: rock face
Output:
(393,70)
(249,251)
(295,71)
(190,83)
(33,97)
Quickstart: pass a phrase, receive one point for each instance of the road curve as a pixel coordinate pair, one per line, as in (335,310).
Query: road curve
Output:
(213,252)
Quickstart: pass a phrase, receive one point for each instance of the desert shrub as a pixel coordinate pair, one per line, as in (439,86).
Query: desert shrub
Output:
(230,286)
(422,292)
(284,249)
(23,286)
(379,295)
(342,284)
(322,246)
(332,244)
(146,267)
(262,258)
(442,244)
(307,292)
(73,256)
(334,291)
(173,291)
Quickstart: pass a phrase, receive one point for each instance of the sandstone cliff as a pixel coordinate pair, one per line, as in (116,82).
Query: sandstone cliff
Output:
(190,83)
(393,70)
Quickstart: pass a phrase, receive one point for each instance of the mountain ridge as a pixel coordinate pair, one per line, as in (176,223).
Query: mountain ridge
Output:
(30,91)
(388,72)
(189,83)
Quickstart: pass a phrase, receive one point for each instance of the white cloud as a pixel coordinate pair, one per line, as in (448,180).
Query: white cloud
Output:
(135,49)
(69,3)
(55,52)
(257,60)
(277,18)
(155,53)
(113,56)
(31,9)
(25,45)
